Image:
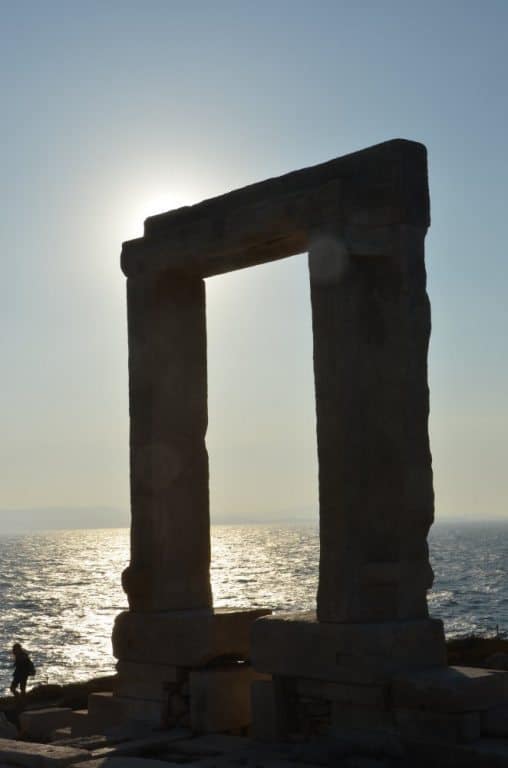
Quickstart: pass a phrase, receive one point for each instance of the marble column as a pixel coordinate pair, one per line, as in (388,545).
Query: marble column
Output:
(371,326)
(170,527)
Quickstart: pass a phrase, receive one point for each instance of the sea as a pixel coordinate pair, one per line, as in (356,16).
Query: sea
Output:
(60,590)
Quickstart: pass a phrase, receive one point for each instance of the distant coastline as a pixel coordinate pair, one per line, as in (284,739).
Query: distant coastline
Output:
(19,521)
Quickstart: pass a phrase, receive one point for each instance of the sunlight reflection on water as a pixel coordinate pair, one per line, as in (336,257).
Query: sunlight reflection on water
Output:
(61,589)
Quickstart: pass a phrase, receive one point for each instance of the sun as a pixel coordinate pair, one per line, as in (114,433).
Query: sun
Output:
(150,202)
(150,206)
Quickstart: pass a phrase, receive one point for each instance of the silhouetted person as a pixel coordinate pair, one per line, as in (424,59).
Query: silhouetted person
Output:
(23,668)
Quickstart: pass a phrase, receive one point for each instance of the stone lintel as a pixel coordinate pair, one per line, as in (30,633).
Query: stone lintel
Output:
(381,187)
(297,645)
(184,638)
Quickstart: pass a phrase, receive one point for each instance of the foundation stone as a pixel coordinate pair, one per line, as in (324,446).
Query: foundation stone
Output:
(184,638)
(298,645)
(221,697)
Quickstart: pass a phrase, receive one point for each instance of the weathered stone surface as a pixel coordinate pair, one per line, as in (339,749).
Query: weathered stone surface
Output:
(80,724)
(276,762)
(145,681)
(184,638)
(278,715)
(297,645)
(170,526)
(454,728)
(114,710)
(368,742)
(367,696)
(39,723)
(126,762)
(497,661)
(7,729)
(495,721)
(371,327)
(89,743)
(28,755)
(220,697)
(450,689)
(370,762)
(212,744)
(483,753)
(152,744)
(267,720)
(61,734)
(381,186)
(250,756)
(177,705)
(128,730)
(346,716)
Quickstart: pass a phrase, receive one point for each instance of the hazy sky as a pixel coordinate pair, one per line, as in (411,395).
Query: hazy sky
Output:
(114,110)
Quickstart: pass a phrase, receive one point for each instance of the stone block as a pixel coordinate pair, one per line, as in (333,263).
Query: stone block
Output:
(131,729)
(169,567)
(279,762)
(184,638)
(368,742)
(439,727)
(22,753)
(369,762)
(220,697)
(346,716)
(79,722)
(268,720)
(126,762)
(94,741)
(107,709)
(212,744)
(7,729)
(60,734)
(381,185)
(145,681)
(497,660)
(153,744)
(39,723)
(490,753)
(450,689)
(483,753)
(495,721)
(366,696)
(296,645)
(371,327)
(248,758)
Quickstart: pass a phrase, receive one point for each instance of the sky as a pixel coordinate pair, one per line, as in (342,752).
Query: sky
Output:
(112,111)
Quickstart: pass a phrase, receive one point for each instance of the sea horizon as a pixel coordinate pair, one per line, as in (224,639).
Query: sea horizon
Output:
(254,521)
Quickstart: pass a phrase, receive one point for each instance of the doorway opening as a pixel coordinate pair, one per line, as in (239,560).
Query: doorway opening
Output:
(261,437)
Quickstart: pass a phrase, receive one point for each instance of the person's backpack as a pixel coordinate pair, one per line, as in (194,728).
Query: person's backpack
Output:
(31,668)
